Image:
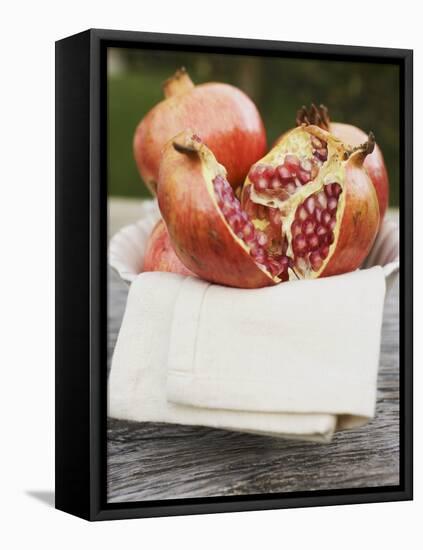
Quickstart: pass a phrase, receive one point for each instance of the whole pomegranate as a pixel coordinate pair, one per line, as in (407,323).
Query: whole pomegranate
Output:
(308,209)
(353,136)
(159,254)
(225,118)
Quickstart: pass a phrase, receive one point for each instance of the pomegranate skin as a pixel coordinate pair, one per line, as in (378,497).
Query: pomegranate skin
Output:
(359,224)
(159,254)
(374,163)
(224,117)
(199,233)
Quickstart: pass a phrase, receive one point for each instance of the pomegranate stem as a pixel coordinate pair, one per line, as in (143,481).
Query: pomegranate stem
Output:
(365,148)
(184,149)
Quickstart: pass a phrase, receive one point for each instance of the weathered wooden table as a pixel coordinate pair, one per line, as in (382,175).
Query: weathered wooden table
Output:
(160,461)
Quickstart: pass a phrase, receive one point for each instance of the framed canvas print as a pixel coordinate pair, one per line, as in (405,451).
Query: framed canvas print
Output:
(234,274)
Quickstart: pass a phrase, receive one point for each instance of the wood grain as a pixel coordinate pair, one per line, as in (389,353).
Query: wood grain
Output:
(161,461)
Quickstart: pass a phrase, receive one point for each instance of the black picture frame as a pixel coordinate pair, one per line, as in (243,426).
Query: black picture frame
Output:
(81,274)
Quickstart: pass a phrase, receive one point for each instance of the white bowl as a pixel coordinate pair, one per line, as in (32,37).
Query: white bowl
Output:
(127,246)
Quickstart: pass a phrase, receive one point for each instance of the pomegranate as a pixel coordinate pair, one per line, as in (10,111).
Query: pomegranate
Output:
(225,118)
(353,136)
(308,209)
(314,202)
(159,254)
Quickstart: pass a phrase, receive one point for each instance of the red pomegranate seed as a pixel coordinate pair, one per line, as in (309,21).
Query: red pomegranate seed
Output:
(321,231)
(235,221)
(290,188)
(284,174)
(228,209)
(260,185)
(296,228)
(277,265)
(333,189)
(255,250)
(261,212)
(316,261)
(303,176)
(261,238)
(274,216)
(300,245)
(328,190)
(332,224)
(227,195)
(219,184)
(244,216)
(284,261)
(321,199)
(310,204)
(330,238)
(248,232)
(275,184)
(336,189)
(318,214)
(292,161)
(313,242)
(269,172)
(332,204)
(326,218)
(322,153)
(308,227)
(302,213)
(256,173)
(324,251)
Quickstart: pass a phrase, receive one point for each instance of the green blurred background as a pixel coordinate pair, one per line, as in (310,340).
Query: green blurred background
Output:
(363,94)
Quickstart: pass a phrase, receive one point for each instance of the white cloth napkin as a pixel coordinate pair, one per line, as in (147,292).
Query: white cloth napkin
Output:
(298,360)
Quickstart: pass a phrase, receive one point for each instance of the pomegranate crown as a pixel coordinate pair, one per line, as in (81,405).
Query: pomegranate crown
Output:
(178,83)
(319,116)
(316,116)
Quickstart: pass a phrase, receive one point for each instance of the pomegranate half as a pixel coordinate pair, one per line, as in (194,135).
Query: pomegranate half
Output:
(208,230)
(353,136)
(159,253)
(223,116)
(315,203)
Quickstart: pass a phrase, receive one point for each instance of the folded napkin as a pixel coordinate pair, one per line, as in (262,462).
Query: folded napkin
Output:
(298,360)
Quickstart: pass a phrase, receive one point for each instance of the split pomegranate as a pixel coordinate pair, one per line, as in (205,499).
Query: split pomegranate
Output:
(314,202)
(225,118)
(353,136)
(159,253)
(308,209)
